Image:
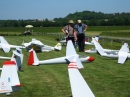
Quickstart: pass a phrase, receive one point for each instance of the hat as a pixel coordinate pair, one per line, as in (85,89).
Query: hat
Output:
(79,21)
(71,21)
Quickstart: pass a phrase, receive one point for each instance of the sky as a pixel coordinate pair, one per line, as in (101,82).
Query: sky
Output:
(50,9)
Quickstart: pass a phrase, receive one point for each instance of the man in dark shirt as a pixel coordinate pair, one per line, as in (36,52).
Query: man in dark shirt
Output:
(81,28)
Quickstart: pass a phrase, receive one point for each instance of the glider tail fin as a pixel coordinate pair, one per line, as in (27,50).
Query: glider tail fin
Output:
(97,38)
(6,48)
(2,39)
(126,47)
(18,58)
(33,60)
(98,46)
(23,43)
(58,47)
(10,78)
(5,86)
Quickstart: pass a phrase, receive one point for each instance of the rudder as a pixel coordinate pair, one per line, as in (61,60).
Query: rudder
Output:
(32,60)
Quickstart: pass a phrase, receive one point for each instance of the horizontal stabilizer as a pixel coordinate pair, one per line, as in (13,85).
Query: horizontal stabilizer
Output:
(4,44)
(5,48)
(99,48)
(123,53)
(122,56)
(3,41)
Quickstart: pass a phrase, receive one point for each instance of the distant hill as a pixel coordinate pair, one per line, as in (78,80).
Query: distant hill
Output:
(98,18)
(90,18)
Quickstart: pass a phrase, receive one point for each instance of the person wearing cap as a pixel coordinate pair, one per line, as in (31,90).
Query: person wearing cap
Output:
(81,29)
(69,31)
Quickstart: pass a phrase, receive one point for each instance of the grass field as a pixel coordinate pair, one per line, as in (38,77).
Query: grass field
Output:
(58,29)
(104,76)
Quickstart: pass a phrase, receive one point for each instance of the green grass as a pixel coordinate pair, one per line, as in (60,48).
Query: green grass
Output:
(58,29)
(35,29)
(116,34)
(104,76)
(91,31)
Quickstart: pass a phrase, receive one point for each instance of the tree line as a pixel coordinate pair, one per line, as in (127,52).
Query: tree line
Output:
(90,18)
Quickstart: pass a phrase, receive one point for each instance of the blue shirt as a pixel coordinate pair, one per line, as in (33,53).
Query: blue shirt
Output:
(80,29)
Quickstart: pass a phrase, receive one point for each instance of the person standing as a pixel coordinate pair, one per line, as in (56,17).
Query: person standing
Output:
(81,29)
(69,31)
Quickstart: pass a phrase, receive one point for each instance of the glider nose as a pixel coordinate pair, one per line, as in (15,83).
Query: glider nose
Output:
(91,59)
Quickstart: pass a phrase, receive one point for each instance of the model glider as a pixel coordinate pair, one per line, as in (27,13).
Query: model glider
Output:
(9,80)
(6,46)
(91,43)
(122,55)
(79,87)
(94,50)
(39,46)
(70,54)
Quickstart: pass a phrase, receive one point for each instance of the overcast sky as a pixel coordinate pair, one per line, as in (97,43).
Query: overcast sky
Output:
(42,9)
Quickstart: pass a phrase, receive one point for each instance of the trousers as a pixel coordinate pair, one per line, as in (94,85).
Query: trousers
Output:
(72,39)
(81,39)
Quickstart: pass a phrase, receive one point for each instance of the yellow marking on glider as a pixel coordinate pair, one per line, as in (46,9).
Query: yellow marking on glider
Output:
(34,47)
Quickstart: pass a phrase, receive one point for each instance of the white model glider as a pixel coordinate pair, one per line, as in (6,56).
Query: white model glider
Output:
(122,55)
(79,87)
(39,46)
(6,46)
(70,54)
(91,43)
(9,80)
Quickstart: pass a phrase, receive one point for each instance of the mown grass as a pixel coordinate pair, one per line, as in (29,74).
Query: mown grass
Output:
(58,29)
(104,76)
(116,34)
(117,31)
